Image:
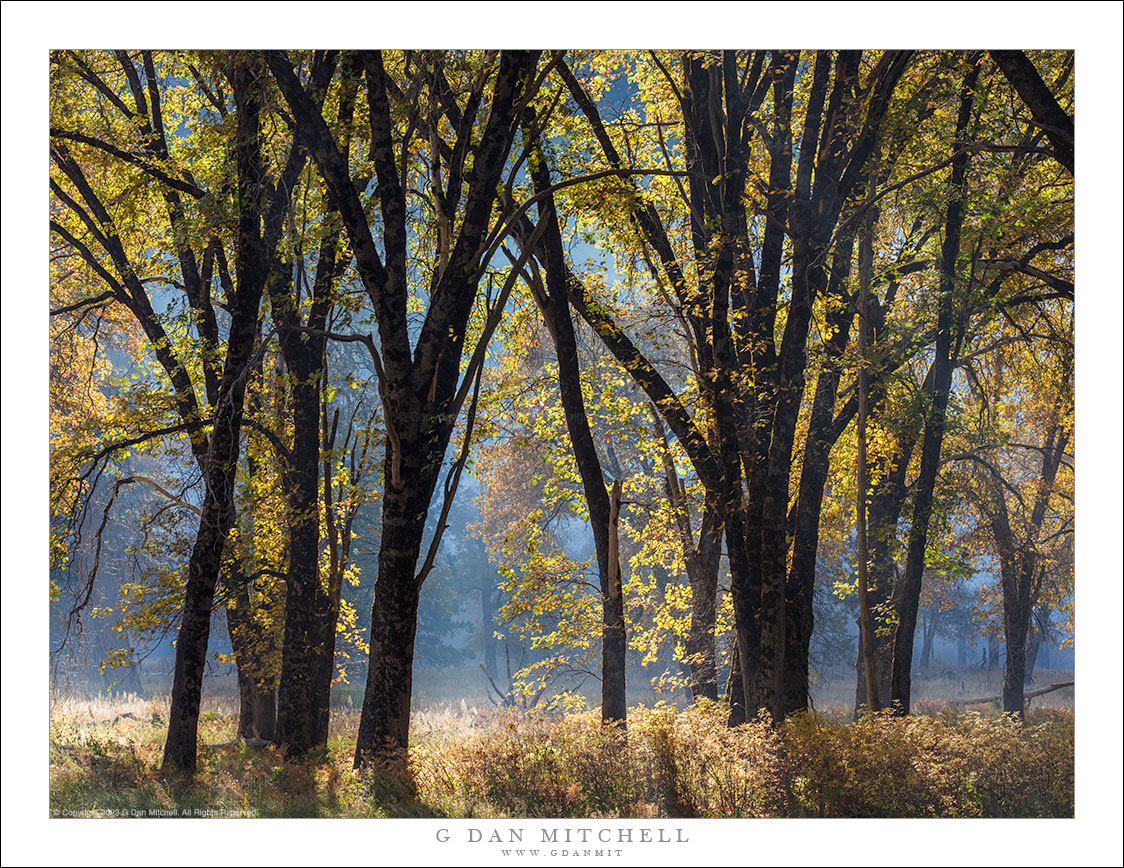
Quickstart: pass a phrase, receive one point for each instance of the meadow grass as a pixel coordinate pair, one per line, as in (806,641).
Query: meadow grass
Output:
(105,756)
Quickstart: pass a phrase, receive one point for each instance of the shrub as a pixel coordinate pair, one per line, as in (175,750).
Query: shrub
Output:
(677,763)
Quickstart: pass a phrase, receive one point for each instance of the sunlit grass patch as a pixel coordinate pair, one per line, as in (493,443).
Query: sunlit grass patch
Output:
(669,763)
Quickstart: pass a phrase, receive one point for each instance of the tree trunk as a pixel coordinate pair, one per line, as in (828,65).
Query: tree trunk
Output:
(311,610)
(702,573)
(419,380)
(1048,115)
(866,621)
(1034,642)
(217,513)
(801,582)
(385,722)
(257,694)
(1016,620)
(702,562)
(307,608)
(735,691)
(909,596)
(202,577)
(884,512)
(604,509)
(614,704)
(488,611)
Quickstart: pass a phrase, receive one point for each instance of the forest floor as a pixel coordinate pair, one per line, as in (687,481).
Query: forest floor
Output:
(948,760)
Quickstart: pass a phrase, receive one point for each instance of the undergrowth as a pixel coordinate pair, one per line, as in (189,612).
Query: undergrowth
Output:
(671,763)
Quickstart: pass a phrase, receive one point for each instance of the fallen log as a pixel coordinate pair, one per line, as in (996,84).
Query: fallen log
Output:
(1026,697)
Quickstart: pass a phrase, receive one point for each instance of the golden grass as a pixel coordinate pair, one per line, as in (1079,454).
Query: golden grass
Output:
(673,763)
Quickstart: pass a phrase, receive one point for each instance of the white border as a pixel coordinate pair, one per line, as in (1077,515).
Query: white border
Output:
(30,29)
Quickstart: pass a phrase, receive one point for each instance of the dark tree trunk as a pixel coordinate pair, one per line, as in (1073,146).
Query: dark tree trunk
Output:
(702,573)
(419,384)
(702,562)
(715,109)
(307,607)
(614,703)
(909,596)
(339,555)
(800,585)
(884,510)
(257,709)
(1034,645)
(831,168)
(202,577)
(604,508)
(1054,121)
(217,514)
(1016,619)
(1019,564)
(735,690)
(311,610)
(866,619)
(257,694)
(385,723)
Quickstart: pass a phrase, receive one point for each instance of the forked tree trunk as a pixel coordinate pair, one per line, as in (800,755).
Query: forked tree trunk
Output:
(1014,673)
(308,652)
(419,381)
(702,561)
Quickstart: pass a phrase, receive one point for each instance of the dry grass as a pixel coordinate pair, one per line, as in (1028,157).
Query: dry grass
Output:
(942,686)
(105,759)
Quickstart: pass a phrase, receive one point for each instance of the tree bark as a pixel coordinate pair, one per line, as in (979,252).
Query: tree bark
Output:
(909,595)
(735,691)
(604,508)
(385,723)
(821,437)
(702,565)
(702,561)
(614,703)
(866,621)
(1050,116)
(257,694)
(1019,564)
(307,606)
(418,384)
(928,632)
(219,470)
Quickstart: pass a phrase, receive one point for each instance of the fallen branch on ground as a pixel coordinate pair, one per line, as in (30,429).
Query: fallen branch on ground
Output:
(1026,698)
